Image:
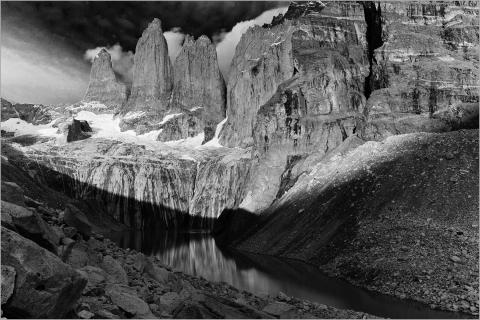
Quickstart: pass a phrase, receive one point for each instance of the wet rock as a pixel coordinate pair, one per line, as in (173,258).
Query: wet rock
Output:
(126,298)
(8,282)
(103,86)
(45,287)
(73,217)
(114,270)
(78,130)
(30,225)
(12,193)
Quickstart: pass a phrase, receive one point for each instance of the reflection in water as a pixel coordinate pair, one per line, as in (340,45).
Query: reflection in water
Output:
(197,254)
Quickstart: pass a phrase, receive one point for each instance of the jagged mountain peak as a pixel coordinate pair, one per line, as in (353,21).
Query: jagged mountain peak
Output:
(203,40)
(156,24)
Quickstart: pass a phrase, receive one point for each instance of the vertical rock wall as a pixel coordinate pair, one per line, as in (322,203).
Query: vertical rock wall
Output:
(152,72)
(103,86)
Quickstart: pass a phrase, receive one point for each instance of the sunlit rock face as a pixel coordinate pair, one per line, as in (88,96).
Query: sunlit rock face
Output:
(199,89)
(427,63)
(313,105)
(141,187)
(183,125)
(152,72)
(103,86)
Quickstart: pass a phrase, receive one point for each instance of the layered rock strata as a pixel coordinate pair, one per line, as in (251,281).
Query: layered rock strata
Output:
(104,86)
(427,63)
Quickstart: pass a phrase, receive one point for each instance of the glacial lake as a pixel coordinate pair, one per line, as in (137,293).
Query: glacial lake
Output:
(196,253)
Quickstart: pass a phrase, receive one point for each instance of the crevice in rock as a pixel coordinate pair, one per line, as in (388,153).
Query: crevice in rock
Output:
(373,18)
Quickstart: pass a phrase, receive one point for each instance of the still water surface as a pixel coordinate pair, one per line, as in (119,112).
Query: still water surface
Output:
(196,253)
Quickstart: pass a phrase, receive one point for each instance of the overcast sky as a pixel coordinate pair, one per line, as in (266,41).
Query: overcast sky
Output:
(47,47)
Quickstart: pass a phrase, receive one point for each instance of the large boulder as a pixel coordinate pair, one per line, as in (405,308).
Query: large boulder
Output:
(8,282)
(11,192)
(95,276)
(126,299)
(78,130)
(73,217)
(45,287)
(114,270)
(30,225)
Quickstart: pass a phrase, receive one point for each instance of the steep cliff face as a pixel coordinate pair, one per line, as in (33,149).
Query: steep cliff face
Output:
(152,72)
(262,61)
(316,106)
(140,187)
(103,86)
(428,63)
(194,88)
(198,83)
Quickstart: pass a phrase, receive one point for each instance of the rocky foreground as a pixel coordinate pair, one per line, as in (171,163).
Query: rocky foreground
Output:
(55,264)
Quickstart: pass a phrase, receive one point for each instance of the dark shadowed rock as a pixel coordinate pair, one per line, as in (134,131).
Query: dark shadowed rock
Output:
(45,287)
(203,306)
(12,193)
(103,86)
(95,277)
(73,217)
(8,282)
(115,272)
(126,298)
(30,225)
(232,224)
(78,130)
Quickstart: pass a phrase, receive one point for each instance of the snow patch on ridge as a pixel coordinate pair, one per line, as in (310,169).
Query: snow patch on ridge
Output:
(21,127)
(215,142)
(169,116)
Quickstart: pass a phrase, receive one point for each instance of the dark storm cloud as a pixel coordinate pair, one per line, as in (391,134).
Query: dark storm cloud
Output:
(47,47)
(94,23)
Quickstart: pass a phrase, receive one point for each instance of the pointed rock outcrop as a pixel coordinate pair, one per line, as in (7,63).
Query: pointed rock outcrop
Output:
(104,86)
(198,83)
(152,72)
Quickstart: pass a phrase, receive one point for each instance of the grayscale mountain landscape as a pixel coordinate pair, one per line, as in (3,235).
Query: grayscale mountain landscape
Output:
(313,159)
